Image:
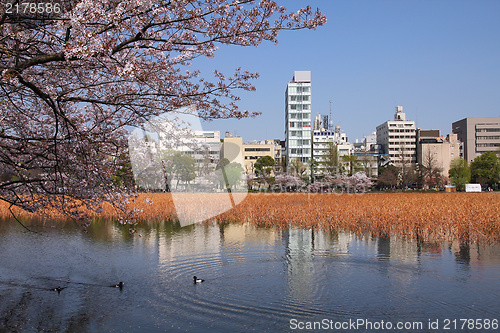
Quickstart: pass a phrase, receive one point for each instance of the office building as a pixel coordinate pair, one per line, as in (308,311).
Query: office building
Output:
(251,151)
(478,135)
(435,151)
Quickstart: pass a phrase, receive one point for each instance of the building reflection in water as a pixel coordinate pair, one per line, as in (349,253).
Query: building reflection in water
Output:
(300,246)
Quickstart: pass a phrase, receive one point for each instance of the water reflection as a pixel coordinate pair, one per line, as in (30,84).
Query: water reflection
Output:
(256,278)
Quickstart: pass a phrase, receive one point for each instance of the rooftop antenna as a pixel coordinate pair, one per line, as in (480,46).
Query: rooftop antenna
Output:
(330,125)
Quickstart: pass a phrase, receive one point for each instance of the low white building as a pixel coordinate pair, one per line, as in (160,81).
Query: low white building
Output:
(324,140)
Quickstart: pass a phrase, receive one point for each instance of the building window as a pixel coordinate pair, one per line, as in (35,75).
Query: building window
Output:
(257,149)
(488,130)
(488,145)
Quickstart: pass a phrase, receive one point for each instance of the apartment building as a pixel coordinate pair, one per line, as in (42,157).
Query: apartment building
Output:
(298,118)
(397,139)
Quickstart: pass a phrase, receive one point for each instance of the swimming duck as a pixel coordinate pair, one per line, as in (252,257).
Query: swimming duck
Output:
(196,280)
(119,285)
(58,289)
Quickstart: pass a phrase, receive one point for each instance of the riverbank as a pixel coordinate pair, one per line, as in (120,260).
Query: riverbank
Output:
(468,217)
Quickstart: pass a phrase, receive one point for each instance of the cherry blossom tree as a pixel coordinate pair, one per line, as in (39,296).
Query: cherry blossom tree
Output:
(288,182)
(72,81)
(318,187)
(359,182)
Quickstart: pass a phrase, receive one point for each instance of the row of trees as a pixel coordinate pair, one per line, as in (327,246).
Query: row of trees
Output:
(183,168)
(342,175)
(356,183)
(180,169)
(484,170)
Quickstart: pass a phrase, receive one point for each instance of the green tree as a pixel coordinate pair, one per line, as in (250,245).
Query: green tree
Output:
(233,175)
(184,167)
(264,166)
(459,173)
(222,163)
(485,169)
(123,176)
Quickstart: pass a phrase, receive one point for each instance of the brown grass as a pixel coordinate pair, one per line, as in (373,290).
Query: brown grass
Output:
(466,217)
(423,216)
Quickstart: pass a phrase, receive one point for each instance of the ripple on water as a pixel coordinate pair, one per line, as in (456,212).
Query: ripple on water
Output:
(256,279)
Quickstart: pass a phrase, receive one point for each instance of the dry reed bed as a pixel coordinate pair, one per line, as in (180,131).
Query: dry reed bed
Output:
(422,216)
(467,217)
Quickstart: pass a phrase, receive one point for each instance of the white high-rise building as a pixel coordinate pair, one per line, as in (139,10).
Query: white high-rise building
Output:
(298,117)
(397,138)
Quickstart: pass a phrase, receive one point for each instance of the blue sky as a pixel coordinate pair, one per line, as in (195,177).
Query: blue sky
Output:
(439,59)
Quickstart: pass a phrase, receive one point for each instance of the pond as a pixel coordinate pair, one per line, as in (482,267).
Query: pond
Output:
(256,279)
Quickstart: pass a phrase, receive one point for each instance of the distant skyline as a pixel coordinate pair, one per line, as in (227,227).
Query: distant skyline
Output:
(439,59)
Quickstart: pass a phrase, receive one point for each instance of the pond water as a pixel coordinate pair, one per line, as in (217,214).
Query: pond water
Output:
(256,279)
